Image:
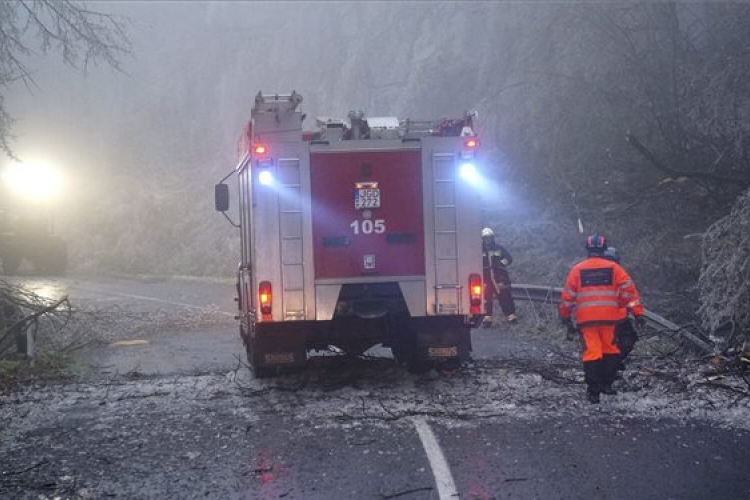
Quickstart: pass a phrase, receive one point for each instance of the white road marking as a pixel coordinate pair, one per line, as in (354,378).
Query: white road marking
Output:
(129,342)
(164,301)
(443,478)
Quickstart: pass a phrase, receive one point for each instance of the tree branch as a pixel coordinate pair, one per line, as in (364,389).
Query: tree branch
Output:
(706,176)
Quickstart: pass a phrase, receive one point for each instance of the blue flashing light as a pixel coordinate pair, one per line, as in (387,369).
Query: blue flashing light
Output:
(468,172)
(265,177)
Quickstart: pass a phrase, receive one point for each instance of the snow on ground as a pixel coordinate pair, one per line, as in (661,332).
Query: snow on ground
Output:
(339,392)
(519,372)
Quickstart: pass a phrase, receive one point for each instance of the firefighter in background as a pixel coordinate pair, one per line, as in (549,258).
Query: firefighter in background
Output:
(496,259)
(625,333)
(595,290)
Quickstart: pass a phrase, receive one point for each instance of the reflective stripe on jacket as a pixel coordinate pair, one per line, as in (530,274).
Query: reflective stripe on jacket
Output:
(596,291)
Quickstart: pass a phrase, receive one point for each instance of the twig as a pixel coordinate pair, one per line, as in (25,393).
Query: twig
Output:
(406,492)
(725,387)
(27,469)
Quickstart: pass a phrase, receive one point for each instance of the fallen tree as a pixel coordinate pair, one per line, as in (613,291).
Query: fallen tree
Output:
(724,282)
(23,314)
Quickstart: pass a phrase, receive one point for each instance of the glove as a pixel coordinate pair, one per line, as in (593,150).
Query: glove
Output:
(570,328)
(640,323)
(504,262)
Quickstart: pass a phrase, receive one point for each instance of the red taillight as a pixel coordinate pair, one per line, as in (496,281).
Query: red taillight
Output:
(260,149)
(470,148)
(265,297)
(475,293)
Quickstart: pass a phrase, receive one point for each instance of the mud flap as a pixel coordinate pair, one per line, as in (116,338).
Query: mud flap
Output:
(273,347)
(441,340)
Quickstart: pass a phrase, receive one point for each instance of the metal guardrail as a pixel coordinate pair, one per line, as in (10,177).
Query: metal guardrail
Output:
(551,295)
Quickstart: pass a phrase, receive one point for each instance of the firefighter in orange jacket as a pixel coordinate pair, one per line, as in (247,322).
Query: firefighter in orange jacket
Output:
(595,290)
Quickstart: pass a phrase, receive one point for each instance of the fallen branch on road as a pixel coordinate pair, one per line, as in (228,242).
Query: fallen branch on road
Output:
(27,469)
(406,492)
(20,310)
(719,385)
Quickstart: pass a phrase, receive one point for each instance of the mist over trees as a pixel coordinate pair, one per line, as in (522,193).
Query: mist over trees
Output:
(30,27)
(628,119)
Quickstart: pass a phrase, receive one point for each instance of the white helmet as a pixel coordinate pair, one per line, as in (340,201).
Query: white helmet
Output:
(487,232)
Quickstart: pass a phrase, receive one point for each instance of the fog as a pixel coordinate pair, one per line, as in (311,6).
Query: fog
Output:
(142,147)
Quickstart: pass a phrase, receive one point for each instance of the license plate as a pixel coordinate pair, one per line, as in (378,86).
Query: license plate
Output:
(281,358)
(366,198)
(442,352)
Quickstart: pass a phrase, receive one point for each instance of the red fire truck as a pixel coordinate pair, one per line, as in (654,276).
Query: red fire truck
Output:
(362,232)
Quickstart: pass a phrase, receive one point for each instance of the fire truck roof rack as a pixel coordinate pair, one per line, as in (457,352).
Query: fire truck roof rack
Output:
(277,102)
(387,127)
(330,129)
(444,127)
(417,128)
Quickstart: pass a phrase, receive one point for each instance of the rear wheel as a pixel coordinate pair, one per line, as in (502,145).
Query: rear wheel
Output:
(355,349)
(404,349)
(418,366)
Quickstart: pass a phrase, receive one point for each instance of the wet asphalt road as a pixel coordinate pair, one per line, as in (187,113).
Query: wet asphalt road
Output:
(180,417)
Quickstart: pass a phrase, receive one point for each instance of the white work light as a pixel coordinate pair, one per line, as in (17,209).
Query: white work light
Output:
(32,181)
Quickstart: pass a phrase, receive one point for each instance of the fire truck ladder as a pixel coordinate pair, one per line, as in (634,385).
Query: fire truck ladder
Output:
(290,223)
(447,287)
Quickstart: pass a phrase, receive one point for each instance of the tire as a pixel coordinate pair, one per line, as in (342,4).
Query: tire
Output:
(451,364)
(417,366)
(401,350)
(355,349)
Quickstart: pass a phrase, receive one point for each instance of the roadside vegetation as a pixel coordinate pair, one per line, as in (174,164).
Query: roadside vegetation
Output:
(35,334)
(724,283)
(83,38)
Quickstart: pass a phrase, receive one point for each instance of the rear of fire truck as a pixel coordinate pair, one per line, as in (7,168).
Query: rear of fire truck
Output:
(363,232)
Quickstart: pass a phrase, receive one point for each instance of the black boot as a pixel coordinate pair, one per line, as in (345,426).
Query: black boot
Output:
(610,364)
(592,372)
(609,390)
(621,364)
(592,396)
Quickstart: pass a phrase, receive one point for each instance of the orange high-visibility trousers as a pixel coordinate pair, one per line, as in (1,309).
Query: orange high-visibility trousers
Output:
(598,340)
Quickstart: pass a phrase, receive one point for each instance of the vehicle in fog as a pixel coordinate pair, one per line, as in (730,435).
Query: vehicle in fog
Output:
(362,232)
(26,220)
